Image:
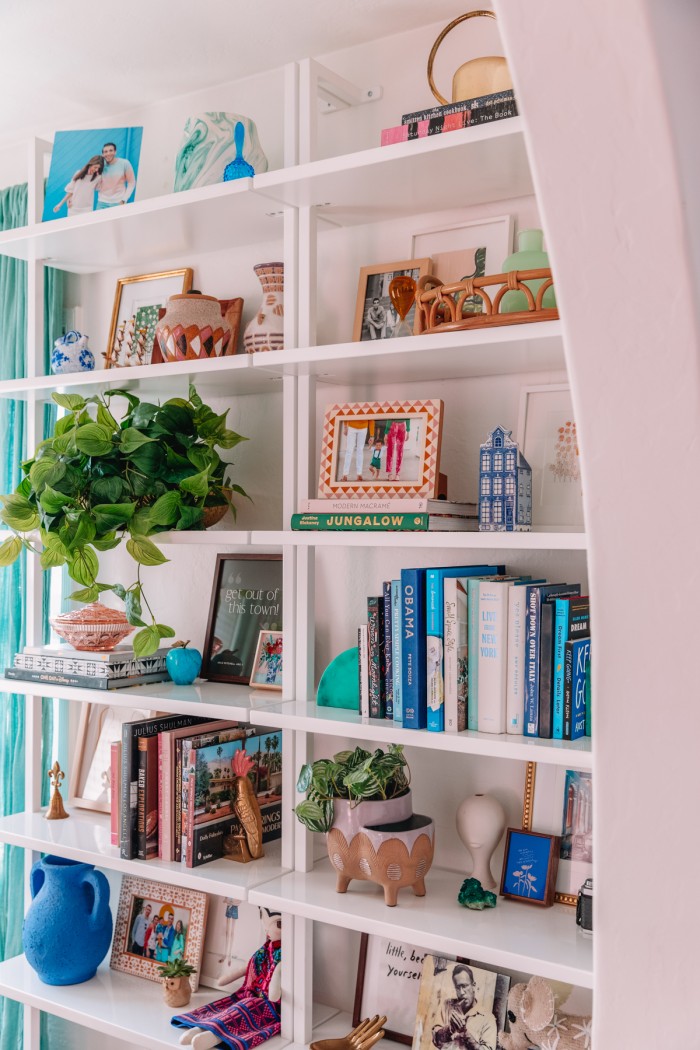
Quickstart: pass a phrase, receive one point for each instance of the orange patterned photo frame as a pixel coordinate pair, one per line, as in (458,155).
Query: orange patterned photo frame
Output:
(381,449)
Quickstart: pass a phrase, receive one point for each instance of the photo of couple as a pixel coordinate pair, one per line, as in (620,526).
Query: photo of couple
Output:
(91,171)
(157,931)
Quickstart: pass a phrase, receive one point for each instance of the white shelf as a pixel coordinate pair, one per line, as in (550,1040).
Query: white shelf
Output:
(112,1004)
(171,227)
(503,350)
(428,541)
(514,936)
(215,699)
(472,166)
(86,837)
(307,717)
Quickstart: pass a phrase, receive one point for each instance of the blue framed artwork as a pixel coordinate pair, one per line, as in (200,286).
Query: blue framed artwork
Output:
(91,171)
(530,867)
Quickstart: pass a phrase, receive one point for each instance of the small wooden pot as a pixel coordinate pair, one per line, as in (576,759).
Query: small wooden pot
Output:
(213,515)
(177,991)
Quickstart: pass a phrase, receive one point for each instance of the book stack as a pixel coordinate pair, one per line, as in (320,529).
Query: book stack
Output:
(386,515)
(452,117)
(175,799)
(63,665)
(472,647)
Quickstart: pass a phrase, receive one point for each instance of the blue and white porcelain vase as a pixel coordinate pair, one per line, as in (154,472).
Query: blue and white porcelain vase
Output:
(71,354)
(68,928)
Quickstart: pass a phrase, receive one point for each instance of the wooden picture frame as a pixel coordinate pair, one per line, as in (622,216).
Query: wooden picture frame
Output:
(269,650)
(409,435)
(129,299)
(518,878)
(246,599)
(151,903)
(558,799)
(374,286)
(378,959)
(89,785)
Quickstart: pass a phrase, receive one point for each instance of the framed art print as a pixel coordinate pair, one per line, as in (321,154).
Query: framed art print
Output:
(547,438)
(246,599)
(530,865)
(92,170)
(560,801)
(267,662)
(470,249)
(381,449)
(137,303)
(375,316)
(455,1007)
(90,779)
(388,982)
(156,924)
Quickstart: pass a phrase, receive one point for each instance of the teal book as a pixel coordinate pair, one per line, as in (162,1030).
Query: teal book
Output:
(571,620)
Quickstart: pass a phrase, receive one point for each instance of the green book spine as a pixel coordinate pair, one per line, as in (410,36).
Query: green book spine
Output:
(360,522)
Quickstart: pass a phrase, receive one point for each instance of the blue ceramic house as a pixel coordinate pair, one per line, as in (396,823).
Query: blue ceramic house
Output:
(505,485)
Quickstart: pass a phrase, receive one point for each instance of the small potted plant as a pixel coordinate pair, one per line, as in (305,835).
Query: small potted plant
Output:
(177,990)
(362,801)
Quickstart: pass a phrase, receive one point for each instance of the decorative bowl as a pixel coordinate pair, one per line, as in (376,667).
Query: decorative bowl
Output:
(94,628)
(213,515)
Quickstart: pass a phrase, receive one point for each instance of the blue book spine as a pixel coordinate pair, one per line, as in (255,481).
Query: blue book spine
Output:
(577,655)
(413,680)
(388,653)
(396,649)
(561,633)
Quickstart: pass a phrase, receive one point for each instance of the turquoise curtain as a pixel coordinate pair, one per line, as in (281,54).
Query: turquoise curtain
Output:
(13,326)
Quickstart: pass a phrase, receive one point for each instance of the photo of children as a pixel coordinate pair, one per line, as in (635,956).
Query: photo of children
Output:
(91,171)
(380,449)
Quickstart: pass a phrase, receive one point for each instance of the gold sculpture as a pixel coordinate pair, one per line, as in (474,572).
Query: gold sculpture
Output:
(248,844)
(367,1033)
(56,810)
(481,76)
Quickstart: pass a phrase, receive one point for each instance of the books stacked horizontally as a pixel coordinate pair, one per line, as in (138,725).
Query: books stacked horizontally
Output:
(386,515)
(469,647)
(63,665)
(173,789)
(452,117)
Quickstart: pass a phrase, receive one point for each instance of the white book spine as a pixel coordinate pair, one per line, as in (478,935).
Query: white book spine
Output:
(363,649)
(493,639)
(415,505)
(515,663)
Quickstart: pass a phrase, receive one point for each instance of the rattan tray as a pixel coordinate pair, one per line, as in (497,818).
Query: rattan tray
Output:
(446,307)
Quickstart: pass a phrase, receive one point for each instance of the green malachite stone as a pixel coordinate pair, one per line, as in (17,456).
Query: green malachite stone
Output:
(473,895)
(340,685)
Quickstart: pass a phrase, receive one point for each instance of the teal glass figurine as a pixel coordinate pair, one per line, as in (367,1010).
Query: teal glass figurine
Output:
(339,685)
(529,256)
(238,168)
(473,895)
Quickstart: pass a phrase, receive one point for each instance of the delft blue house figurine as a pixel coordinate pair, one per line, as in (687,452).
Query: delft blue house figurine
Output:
(505,485)
(71,353)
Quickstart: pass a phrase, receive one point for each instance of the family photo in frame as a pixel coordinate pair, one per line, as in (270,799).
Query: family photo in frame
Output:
(92,170)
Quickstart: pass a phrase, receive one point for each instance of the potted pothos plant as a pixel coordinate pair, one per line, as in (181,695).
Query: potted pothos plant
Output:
(177,990)
(98,481)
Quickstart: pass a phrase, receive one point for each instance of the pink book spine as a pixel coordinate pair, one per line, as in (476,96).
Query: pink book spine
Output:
(165,841)
(115,756)
(397,134)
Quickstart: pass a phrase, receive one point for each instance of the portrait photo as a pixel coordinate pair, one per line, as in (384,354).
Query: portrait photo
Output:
(455,1007)
(157,924)
(375,316)
(91,171)
(246,599)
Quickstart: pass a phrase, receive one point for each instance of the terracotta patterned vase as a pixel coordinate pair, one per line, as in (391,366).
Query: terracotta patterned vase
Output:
(193,329)
(94,628)
(383,842)
(177,991)
(266,330)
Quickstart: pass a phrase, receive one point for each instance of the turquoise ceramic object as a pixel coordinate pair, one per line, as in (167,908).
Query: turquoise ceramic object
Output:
(183,664)
(340,685)
(238,168)
(68,928)
(529,256)
(211,143)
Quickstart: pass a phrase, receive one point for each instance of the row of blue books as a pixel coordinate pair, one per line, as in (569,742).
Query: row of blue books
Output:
(472,647)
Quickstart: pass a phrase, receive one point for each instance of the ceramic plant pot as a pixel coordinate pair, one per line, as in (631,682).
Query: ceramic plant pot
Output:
(383,842)
(529,256)
(193,329)
(481,821)
(266,330)
(68,928)
(177,991)
(211,142)
(94,628)
(71,354)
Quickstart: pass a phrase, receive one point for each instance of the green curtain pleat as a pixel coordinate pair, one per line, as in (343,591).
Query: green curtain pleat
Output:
(13,327)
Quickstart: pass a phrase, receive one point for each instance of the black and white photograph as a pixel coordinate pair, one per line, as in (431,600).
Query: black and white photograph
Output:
(455,1007)
(375,317)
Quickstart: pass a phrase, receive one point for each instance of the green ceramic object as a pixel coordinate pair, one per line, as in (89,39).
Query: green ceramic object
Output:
(529,256)
(473,895)
(339,685)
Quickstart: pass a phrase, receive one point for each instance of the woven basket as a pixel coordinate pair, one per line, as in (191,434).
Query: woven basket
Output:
(446,307)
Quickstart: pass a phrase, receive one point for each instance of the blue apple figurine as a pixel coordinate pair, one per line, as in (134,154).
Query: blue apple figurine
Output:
(183,664)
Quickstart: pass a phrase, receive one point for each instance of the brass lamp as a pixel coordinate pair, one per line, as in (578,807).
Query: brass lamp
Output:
(480,76)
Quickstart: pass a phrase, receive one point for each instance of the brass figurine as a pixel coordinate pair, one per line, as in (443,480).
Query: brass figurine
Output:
(56,810)
(367,1033)
(246,808)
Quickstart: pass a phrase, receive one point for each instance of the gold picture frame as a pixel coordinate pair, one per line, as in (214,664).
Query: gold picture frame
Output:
(374,285)
(128,346)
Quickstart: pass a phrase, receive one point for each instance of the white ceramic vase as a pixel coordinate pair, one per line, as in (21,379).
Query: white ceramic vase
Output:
(481,821)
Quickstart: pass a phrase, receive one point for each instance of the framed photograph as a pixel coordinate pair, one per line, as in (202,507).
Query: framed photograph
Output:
(267,662)
(90,780)
(470,249)
(388,981)
(91,171)
(530,866)
(155,924)
(137,303)
(547,439)
(560,801)
(246,599)
(375,317)
(455,1007)
(381,449)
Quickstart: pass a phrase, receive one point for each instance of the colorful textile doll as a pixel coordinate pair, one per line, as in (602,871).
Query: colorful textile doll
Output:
(249,1016)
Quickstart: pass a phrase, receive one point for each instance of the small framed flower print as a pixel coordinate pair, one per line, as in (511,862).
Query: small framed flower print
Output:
(267,662)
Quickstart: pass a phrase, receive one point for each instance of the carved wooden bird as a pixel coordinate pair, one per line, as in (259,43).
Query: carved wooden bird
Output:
(245,804)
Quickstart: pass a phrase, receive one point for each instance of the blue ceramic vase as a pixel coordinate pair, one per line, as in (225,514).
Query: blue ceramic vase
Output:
(68,928)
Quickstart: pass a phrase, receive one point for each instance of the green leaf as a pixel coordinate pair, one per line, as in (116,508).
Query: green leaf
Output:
(229,438)
(141,524)
(106,419)
(108,516)
(146,642)
(52,557)
(132,604)
(46,471)
(107,542)
(190,518)
(144,414)
(119,591)
(94,439)
(316,816)
(165,509)
(88,594)
(145,552)
(18,513)
(63,425)
(10,550)
(149,459)
(77,532)
(53,501)
(202,457)
(133,401)
(305,774)
(84,566)
(164,631)
(198,484)
(107,490)
(132,439)
(65,444)
(194,397)
(176,416)
(73,402)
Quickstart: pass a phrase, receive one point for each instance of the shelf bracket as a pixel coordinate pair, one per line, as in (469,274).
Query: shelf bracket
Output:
(322,90)
(335,94)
